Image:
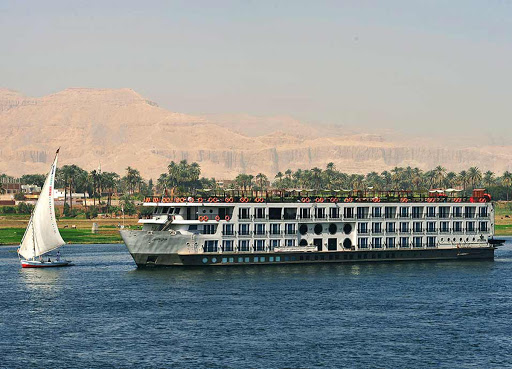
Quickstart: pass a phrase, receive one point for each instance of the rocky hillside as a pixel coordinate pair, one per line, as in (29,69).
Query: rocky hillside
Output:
(120,128)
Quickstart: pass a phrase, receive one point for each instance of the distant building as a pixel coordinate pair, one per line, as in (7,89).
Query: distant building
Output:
(225,183)
(30,189)
(11,186)
(58,194)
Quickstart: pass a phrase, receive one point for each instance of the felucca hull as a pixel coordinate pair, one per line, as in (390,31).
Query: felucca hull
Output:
(44,264)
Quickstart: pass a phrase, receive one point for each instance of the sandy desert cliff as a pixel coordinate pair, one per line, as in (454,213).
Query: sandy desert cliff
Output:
(120,128)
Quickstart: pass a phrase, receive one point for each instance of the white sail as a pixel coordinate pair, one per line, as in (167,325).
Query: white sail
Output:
(42,234)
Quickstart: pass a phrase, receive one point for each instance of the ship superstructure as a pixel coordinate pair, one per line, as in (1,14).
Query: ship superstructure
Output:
(254,227)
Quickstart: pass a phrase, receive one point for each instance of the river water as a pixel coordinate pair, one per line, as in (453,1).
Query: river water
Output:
(104,312)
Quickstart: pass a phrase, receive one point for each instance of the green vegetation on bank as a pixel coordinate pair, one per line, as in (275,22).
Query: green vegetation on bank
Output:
(13,236)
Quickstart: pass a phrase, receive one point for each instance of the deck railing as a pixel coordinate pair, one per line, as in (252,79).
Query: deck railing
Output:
(310,196)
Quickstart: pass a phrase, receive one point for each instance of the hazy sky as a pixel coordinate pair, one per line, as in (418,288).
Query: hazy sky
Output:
(415,66)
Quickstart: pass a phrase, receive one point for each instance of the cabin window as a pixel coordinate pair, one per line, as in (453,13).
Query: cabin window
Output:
(227,245)
(404,241)
(377,227)
(457,226)
(417,241)
(417,227)
(305,213)
(377,242)
(177,211)
(334,212)
(404,211)
(444,212)
(483,211)
(290,213)
(275,244)
(259,213)
(259,245)
(211,246)
(362,243)
(243,245)
(484,227)
(348,212)
(259,229)
(404,226)
(431,241)
(290,228)
(457,211)
(275,228)
(469,212)
(208,229)
(431,226)
(192,227)
(228,230)
(390,242)
(390,227)
(417,212)
(390,212)
(470,226)
(243,229)
(274,213)
(362,227)
(362,212)
(320,212)
(243,213)
(289,242)
(376,212)
(431,211)
(444,227)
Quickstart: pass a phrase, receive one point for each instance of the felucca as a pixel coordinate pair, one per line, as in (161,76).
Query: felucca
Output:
(42,234)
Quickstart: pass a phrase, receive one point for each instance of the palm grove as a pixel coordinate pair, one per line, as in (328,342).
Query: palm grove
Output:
(183,176)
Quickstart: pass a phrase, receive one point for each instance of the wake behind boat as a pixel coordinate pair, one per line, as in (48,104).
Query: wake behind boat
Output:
(42,234)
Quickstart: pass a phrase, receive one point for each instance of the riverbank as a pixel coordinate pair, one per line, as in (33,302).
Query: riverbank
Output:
(73,230)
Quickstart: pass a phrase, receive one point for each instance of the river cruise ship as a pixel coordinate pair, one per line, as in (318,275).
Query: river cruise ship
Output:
(221,228)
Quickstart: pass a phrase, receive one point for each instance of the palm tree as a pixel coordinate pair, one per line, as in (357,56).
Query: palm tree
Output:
(262,180)
(279,183)
(450,179)
(489,179)
(397,177)
(475,176)
(439,175)
(506,179)
(110,182)
(463,179)
(244,181)
(132,179)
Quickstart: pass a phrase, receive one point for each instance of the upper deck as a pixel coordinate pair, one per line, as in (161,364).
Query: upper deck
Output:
(323,196)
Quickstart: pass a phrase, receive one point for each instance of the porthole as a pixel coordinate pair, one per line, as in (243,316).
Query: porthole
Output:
(333,228)
(214,260)
(205,260)
(318,229)
(303,242)
(303,229)
(211,210)
(347,244)
(347,228)
(204,211)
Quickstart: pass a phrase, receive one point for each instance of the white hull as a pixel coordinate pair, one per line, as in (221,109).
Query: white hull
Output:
(45,264)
